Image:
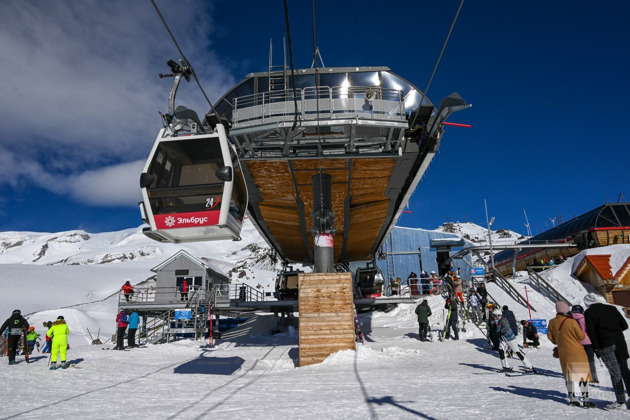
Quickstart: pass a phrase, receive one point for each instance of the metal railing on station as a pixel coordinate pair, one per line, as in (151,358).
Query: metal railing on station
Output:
(319,102)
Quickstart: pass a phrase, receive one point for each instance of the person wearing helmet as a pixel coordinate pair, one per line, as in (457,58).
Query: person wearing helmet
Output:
(59,333)
(31,339)
(16,325)
(508,343)
(577,312)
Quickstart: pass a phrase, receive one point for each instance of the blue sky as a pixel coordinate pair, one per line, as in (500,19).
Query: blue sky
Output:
(548,82)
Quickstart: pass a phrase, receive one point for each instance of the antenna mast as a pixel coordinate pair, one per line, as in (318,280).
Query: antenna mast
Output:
(529,231)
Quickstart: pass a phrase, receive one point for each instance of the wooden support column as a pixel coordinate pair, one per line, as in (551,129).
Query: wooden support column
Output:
(326,315)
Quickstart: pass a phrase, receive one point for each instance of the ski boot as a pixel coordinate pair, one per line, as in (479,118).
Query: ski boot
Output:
(64,365)
(507,370)
(530,371)
(53,366)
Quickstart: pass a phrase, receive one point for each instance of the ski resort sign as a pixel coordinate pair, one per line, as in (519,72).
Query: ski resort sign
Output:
(541,325)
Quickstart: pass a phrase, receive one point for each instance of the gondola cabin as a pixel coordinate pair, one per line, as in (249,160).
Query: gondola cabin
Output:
(287,284)
(369,280)
(193,188)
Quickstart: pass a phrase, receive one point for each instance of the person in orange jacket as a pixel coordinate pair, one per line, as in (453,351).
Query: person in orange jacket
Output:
(127,289)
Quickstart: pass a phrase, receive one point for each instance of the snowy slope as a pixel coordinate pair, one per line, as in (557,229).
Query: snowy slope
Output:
(251,373)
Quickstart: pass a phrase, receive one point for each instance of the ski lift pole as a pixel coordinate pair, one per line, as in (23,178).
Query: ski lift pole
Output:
(528,308)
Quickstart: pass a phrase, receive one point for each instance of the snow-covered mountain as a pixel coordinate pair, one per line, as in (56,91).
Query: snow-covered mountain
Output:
(479,235)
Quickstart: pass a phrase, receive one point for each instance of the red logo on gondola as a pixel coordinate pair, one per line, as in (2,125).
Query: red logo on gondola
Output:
(182,220)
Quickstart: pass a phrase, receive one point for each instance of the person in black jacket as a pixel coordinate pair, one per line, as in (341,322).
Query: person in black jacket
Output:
(529,333)
(511,319)
(451,321)
(605,326)
(424,312)
(16,325)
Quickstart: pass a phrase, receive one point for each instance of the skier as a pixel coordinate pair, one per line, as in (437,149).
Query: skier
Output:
(31,339)
(59,334)
(16,325)
(577,313)
(491,326)
(121,323)
(424,312)
(48,345)
(508,342)
(134,320)
(451,319)
(567,334)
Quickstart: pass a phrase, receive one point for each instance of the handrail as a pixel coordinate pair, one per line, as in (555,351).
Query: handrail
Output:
(543,285)
(508,287)
(337,101)
(161,295)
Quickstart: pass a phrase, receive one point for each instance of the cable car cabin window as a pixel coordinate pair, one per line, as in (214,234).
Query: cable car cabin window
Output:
(186,181)
(332,80)
(369,79)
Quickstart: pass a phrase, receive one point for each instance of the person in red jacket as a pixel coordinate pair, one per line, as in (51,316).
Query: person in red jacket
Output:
(183,289)
(121,322)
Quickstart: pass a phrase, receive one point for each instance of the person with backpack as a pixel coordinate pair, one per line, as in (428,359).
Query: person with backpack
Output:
(508,343)
(59,333)
(423,311)
(16,325)
(121,323)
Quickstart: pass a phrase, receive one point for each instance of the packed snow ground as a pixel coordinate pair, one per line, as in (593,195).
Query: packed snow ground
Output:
(253,374)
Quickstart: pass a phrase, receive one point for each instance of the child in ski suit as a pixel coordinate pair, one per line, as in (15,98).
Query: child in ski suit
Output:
(48,346)
(508,342)
(31,338)
(59,334)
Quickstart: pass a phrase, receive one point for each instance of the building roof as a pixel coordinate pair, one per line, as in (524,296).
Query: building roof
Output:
(624,268)
(598,263)
(180,253)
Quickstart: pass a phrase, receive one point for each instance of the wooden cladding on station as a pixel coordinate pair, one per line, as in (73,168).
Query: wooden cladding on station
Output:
(284,184)
(326,315)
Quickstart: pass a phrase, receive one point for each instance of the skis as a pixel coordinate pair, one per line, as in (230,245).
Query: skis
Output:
(447,324)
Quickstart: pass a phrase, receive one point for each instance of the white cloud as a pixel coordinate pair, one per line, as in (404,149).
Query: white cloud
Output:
(111,186)
(80,88)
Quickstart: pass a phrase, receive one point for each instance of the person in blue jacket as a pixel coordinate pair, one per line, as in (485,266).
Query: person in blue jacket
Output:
(134,320)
